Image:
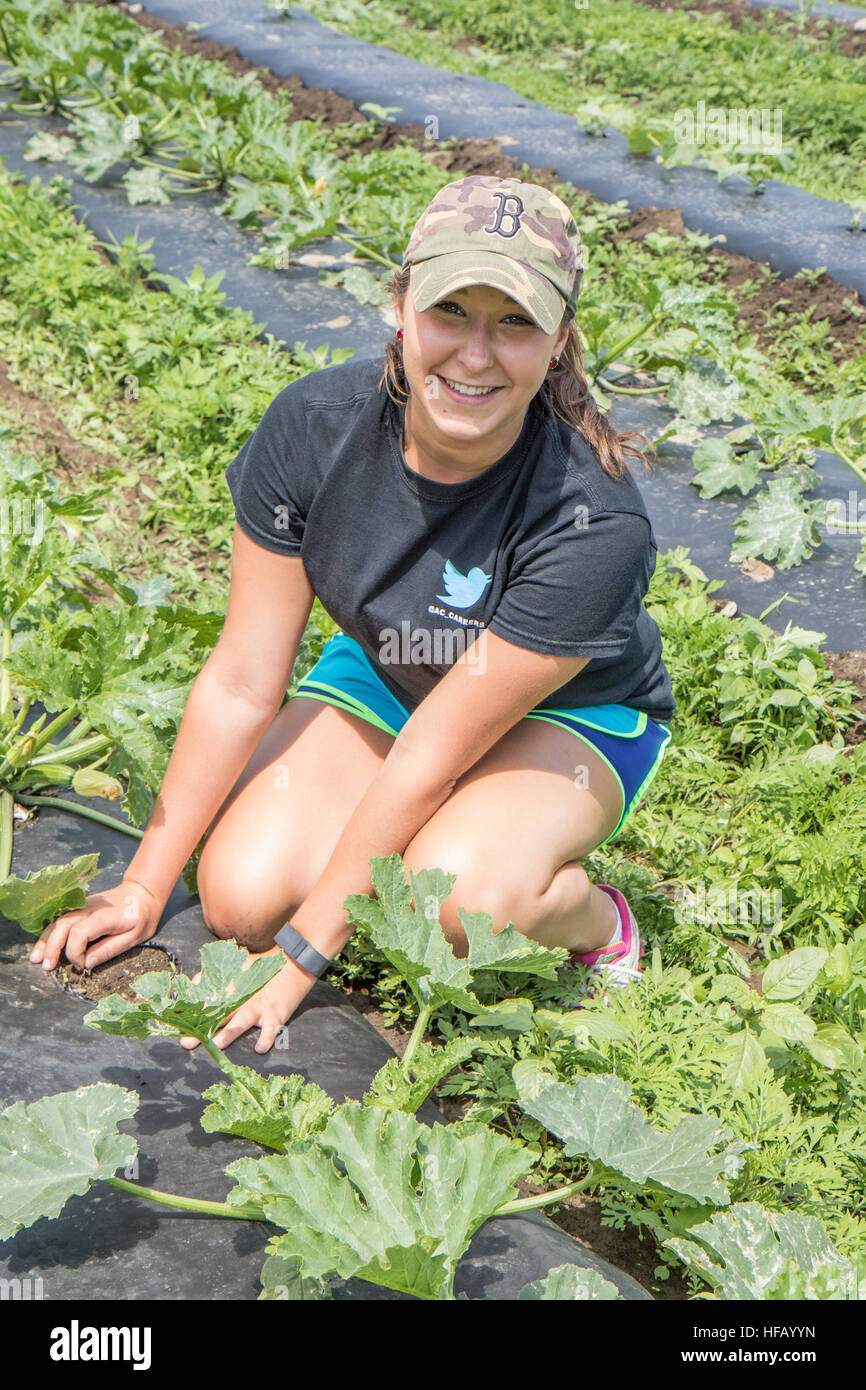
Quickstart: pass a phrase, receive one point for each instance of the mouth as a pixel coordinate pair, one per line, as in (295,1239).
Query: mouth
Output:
(469,397)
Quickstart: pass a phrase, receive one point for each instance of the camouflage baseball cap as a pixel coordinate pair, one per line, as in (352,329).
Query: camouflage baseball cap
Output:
(517,237)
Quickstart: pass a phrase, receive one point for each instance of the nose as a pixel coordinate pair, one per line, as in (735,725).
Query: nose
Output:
(475,350)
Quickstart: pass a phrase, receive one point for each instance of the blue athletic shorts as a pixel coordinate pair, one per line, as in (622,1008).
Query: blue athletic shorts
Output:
(628,740)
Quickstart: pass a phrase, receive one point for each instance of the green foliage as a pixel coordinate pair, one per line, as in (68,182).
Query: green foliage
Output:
(56,1147)
(173,1004)
(398,1087)
(569,1282)
(272,1110)
(41,897)
(412,939)
(379,1196)
(748,1252)
(595,1117)
(637,68)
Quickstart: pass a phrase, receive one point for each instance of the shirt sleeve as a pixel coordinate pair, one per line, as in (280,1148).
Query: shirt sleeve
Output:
(265,481)
(578,590)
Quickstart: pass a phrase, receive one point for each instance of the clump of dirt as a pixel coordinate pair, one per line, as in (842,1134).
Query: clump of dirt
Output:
(581,1218)
(768,302)
(851,666)
(114,976)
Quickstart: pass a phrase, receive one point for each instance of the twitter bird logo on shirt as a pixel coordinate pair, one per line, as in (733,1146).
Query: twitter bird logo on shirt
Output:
(463,589)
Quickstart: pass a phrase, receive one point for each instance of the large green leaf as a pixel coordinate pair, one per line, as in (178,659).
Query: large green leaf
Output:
(789,976)
(702,392)
(594,1116)
(719,469)
(173,1004)
(744,1252)
(378,1196)
(272,1110)
(780,525)
(414,943)
(40,898)
(570,1282)
(56,1147)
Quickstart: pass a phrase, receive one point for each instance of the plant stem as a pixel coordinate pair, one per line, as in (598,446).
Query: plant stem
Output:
(542,1198)
(632,390)
(614,352)
(96,743)
(75,735)
(5,680)
(225,1065)
(6,44)
(369,252)
(54,727)
(6,825)
(417,1034)
(85,811)
(170,1199)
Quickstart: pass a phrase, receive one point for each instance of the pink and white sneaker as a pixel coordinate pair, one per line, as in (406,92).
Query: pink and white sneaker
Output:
(618,964)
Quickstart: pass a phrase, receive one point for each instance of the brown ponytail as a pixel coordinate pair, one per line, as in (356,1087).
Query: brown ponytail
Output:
(565,386)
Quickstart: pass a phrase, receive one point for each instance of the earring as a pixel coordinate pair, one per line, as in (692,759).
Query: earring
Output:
(553,362)
(399,333)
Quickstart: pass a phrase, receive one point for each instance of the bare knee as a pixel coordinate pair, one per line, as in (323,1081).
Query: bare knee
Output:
(236,908)
(479,887)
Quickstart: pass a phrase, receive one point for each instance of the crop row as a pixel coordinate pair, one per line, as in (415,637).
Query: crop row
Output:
(649,320)
(761,799)
(644,70)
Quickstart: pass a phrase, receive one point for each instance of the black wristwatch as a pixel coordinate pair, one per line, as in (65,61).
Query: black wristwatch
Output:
(300,951)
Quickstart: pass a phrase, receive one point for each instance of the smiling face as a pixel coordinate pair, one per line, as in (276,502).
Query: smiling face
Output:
(475,337)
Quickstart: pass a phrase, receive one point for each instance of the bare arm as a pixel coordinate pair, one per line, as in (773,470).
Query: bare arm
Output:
(232,702)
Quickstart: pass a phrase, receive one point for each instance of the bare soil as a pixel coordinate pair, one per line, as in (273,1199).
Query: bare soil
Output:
(781,300)
(114,976)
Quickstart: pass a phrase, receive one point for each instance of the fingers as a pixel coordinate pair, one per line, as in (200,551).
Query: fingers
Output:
(83,932)
(47,949)
(267,1037)
(110,947)
(247,1016)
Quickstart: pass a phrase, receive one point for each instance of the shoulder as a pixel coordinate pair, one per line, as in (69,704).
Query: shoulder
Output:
(343,383)
(586,482)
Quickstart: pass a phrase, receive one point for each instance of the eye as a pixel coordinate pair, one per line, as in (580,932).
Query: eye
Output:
(452,304)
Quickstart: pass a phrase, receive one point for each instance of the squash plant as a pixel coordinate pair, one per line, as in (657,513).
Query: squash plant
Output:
(363,1189)
(121,669)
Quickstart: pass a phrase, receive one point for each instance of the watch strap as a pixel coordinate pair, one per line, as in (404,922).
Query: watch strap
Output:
(300,951)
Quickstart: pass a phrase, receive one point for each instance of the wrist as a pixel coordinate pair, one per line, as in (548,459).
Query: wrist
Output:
(129,878)
(324,935)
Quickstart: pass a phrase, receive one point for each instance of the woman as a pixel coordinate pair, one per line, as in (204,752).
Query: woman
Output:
(496,703)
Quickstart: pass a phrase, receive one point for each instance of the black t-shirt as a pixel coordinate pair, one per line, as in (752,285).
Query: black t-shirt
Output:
(544,548)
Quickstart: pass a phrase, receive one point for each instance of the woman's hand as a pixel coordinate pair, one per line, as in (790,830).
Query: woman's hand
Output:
(269,1009)
(117,919)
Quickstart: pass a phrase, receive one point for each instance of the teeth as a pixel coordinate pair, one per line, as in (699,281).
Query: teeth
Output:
(469,390)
